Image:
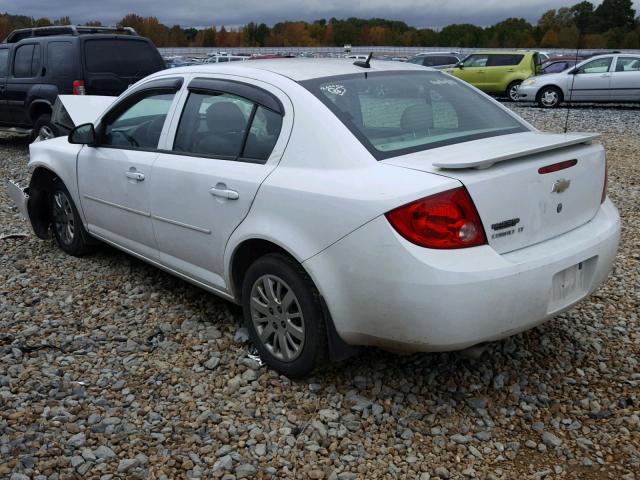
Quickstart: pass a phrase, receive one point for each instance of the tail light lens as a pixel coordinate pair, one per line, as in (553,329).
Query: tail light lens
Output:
(78,87)
(446,220)
(606,182)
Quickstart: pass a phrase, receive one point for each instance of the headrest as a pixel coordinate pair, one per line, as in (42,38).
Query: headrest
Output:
(417,119)
(225,117)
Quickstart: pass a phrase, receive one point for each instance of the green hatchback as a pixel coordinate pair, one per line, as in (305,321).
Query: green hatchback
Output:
(497,72)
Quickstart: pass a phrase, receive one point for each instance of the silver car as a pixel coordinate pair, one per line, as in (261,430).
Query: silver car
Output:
(604,78)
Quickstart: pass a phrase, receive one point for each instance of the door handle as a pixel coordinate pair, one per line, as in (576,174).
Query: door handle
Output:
(604,75)
(223,192)
(137,176)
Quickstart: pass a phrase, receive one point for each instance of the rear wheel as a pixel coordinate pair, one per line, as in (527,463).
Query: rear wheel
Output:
(66,224)
(549,97)
(512,90)
(283,314)
(43,129)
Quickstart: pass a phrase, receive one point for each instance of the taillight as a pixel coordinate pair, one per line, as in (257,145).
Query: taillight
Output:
(606,183)
(446,220)
(78,87)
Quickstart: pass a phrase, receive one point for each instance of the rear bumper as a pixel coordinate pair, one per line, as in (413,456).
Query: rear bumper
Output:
(19,196)
(382,290)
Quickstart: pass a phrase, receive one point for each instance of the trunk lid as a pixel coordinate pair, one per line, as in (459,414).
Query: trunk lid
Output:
(518,205)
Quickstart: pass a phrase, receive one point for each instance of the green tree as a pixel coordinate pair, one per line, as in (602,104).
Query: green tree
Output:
(462,35)
(583,16)
(612,14)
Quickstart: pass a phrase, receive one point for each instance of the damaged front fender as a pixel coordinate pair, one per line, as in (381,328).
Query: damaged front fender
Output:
(32,203)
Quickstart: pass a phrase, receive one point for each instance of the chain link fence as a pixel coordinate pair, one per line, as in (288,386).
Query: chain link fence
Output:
(330,51)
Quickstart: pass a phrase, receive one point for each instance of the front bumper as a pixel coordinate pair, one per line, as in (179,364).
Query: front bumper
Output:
(382,290)
(19,196)
(528,93)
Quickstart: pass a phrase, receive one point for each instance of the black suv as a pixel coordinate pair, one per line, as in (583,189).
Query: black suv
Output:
(38,64)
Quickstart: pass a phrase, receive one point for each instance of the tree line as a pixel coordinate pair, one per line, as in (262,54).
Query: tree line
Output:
(612,24)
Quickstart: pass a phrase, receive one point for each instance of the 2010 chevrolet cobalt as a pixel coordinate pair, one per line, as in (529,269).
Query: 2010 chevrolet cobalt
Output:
(340,204)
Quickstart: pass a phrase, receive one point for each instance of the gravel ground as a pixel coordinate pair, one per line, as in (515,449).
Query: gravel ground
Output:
(110,368)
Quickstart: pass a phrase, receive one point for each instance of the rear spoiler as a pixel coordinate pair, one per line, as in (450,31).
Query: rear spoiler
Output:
(508,147)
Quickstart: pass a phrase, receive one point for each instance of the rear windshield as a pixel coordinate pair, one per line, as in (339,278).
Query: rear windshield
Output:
(122,57)
(395,113)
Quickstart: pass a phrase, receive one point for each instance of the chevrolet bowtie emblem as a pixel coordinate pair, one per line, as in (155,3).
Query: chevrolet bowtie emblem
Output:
(560,186)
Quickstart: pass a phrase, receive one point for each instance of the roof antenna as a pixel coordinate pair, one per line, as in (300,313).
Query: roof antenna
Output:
(573,79)
(364,64)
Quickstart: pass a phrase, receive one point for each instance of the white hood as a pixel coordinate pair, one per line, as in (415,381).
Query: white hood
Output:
(85,108)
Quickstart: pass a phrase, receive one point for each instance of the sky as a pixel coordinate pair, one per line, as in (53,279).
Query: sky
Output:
(418,13)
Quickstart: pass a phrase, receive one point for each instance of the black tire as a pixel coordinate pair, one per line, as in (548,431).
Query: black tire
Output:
(313,350)
(43,128)
(66,223)
(513,87)
(546,94)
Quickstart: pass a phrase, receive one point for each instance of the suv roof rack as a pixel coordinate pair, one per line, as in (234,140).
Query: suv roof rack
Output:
(74,30)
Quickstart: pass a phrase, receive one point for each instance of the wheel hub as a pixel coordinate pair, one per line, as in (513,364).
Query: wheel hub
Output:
(63,220)
(277,317)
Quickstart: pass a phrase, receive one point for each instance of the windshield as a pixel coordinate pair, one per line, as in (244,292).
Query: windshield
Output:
(394,113)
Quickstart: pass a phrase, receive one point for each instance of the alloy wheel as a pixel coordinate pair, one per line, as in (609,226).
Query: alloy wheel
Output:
(513,92)
(549,98)
(277,317)
(63,219)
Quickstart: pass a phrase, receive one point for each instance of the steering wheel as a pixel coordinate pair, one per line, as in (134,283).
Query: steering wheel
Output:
(132,141)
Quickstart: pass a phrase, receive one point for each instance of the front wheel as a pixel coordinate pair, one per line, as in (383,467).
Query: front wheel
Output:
(283,314)
(512,90)
(549,97)
(66,224)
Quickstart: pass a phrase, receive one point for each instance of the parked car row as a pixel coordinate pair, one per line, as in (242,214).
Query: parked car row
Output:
(605,78)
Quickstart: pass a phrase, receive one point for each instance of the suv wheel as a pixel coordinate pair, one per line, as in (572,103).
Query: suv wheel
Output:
(66,224)
(43,129)
(549,97)
(283,314)
(512,90)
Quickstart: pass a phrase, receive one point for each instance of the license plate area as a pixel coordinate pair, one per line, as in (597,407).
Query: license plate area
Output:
(571,284)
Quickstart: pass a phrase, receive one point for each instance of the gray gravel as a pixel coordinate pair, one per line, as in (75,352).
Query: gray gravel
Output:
(110,368)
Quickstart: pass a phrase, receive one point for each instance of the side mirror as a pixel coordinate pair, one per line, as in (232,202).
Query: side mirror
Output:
(84,134)
(460,65)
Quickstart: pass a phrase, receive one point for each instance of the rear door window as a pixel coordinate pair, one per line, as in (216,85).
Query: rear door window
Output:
(628,64)
(125,58)
(26,61)
(60,59)
(504,60)
(228,127)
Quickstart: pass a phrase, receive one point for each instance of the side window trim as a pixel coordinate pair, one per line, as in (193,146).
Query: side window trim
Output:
(240,89)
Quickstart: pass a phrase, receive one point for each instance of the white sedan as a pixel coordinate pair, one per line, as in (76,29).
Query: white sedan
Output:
(605,78)
(340,205)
